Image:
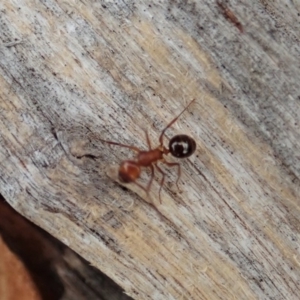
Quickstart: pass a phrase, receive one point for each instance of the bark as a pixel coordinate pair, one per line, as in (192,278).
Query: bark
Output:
(69,69)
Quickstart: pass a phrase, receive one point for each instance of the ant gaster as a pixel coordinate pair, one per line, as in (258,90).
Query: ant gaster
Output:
(180,146)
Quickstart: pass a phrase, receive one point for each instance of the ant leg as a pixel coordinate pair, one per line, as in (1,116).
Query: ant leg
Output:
(147,188)
(147,139)
(92,135)
(178,170)
(172,122)
(151,179)
(162,180)
(140,186)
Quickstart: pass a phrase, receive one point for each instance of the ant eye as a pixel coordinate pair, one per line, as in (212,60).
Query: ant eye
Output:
(182,146)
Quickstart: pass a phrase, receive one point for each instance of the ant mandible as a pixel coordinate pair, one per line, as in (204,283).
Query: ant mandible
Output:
(180,146)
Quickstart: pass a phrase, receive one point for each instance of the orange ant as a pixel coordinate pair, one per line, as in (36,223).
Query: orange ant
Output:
(180,146)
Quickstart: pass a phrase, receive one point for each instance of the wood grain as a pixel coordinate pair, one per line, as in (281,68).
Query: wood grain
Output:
(114,68)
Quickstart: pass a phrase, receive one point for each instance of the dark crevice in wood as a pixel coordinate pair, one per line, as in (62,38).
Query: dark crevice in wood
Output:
(56,270)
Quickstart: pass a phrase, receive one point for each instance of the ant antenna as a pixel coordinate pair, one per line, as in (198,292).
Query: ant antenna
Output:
(114,143)
(172,122)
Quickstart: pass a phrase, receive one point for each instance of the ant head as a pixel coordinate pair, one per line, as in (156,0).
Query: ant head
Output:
(182,146)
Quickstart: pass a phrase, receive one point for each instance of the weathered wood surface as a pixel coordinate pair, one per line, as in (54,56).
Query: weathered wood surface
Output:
(73,67)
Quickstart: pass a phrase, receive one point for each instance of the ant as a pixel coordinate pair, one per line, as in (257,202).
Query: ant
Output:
(180,146)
